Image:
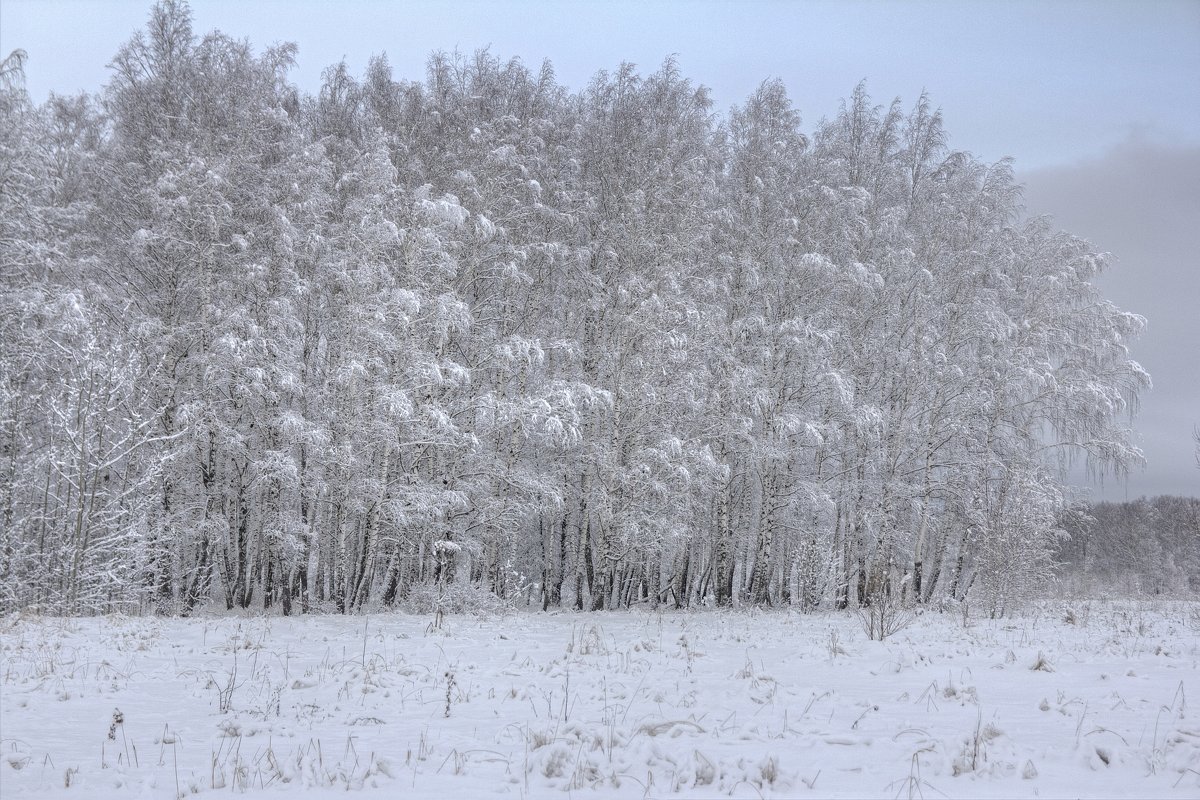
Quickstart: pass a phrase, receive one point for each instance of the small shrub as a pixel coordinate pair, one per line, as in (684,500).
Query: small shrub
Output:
(883,614)
(457,598)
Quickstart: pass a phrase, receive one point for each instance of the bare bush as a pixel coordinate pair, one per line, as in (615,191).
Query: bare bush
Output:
(884,613)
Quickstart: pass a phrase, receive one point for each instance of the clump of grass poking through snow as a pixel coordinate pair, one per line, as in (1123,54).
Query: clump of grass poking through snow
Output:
(450,684)
(835,646)
(1042,664)
(118,723)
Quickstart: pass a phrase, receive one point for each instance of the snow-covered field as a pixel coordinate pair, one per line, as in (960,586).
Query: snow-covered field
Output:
(702,704)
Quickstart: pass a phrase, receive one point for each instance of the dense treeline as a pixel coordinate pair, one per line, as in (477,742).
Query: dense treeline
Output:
(1148,546)
(590,348)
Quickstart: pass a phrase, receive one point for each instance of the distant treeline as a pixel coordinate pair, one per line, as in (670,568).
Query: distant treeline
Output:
(1149,546)
(480,333)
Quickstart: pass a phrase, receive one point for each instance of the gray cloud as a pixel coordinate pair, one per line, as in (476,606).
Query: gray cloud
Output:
(1141,203)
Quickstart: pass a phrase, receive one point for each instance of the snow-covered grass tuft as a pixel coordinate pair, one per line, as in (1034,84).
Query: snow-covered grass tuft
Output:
(1065,700)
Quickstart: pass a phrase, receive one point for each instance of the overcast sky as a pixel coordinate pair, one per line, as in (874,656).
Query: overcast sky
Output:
(1140,201)
(1098,102)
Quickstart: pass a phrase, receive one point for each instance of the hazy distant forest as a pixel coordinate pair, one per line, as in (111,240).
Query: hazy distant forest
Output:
(480,336)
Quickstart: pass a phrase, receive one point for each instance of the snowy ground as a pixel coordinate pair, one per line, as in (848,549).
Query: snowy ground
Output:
(635,704)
